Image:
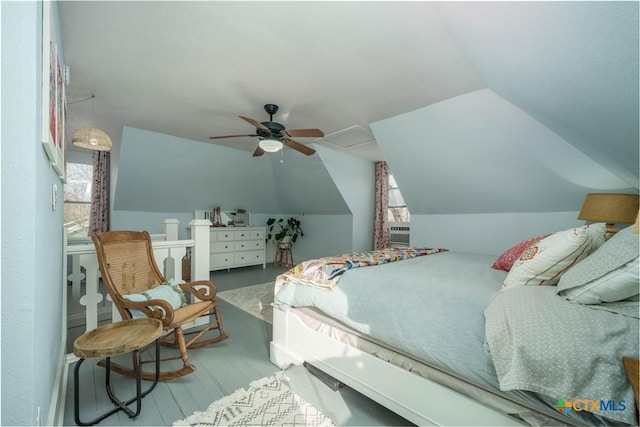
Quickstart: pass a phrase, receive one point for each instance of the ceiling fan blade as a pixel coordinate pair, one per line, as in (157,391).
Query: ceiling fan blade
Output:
(259,152)
(302,133)
(255,123)
(230,136)
(299,147)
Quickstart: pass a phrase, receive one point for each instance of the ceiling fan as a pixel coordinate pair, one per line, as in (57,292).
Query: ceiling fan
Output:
(273,136)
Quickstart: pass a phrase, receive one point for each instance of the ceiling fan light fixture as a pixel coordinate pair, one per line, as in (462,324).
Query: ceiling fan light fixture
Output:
(270,144)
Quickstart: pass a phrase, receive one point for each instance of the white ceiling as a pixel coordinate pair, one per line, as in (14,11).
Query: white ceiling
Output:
(189,69)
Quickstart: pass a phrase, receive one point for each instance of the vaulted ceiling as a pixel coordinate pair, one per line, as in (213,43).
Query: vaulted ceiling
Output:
(567,70)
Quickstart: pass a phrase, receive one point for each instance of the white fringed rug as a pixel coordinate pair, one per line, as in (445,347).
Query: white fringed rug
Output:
(255,300)
(268,401)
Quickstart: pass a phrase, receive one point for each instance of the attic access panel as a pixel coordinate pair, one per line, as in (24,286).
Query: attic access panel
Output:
(350,137)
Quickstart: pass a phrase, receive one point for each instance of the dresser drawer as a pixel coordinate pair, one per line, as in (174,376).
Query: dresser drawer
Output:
(224,236)
(248,245)
(242,235)
(232,247)
(257,235)
(221,260)
(249,257)
(217,247)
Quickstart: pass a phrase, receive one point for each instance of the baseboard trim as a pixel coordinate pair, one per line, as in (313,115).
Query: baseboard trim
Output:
(55,417)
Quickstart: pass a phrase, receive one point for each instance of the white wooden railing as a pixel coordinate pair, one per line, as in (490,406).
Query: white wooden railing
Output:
(87,301)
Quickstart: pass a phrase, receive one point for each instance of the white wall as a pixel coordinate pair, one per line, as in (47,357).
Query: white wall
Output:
(153,222)
(355,178)
(324,235)
(162,173)
(31,271)
(489,234)
(477,173)
(161,176)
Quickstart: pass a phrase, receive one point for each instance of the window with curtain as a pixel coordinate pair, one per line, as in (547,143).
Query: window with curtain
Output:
(77,199)
(397,209)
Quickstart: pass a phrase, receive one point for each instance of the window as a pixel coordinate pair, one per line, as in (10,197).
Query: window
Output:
(77,199)
(397,209)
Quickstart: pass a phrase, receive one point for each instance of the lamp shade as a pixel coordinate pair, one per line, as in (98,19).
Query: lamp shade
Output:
(91,139)
(611,208)
(270,144)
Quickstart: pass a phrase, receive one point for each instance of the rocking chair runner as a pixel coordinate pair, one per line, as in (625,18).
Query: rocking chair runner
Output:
(128,267)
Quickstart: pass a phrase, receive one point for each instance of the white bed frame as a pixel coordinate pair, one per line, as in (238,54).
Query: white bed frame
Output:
(411,396)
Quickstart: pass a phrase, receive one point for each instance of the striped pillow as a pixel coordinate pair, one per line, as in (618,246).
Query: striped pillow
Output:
(546,261)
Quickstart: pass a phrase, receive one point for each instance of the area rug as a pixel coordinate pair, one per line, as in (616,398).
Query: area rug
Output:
(268,401)
(255,300)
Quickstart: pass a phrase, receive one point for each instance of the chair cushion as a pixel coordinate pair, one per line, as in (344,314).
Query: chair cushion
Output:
(189,312)
(169,292)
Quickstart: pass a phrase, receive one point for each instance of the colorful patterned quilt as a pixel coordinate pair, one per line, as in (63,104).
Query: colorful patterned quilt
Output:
(325,272)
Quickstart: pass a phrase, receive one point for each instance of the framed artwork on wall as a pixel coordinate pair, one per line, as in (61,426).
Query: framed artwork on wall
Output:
(53,95)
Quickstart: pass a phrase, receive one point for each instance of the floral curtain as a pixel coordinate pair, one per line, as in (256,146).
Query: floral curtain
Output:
(381,226)
(99,220)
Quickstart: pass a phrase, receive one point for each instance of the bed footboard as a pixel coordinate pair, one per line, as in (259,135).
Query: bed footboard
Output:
(415,398)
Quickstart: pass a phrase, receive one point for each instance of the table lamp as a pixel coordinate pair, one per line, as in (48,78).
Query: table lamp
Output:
(610,208)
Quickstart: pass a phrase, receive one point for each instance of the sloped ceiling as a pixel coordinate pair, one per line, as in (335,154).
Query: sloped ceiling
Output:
(478,153)
(559,118)
(541,97)
(190,68)
(573,66)
(162,173)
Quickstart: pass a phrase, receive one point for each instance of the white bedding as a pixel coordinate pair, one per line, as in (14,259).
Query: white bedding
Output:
(569,351)
(431,308)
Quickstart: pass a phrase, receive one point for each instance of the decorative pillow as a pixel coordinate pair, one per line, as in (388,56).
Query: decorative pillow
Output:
(610,274)
(546,261)
(508,257)
(170,292)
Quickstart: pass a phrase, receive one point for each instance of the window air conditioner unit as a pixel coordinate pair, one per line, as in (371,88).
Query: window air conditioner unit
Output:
(399,234)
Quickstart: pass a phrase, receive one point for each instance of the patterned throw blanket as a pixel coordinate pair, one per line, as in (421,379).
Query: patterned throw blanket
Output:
(325,272)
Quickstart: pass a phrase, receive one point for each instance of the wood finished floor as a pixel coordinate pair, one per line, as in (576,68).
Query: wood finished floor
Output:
(221,369)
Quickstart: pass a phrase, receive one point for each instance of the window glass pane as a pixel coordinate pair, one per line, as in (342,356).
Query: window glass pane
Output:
(392,182)
(397,211)
(395,198)
(76,218)
(78,186)
(398,215)
(77,199)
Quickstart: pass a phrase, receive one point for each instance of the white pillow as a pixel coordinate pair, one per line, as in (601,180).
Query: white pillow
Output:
(546,261)
(170,292)
(610,274)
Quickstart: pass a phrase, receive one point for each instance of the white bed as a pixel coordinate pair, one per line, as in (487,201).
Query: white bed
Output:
(423,381)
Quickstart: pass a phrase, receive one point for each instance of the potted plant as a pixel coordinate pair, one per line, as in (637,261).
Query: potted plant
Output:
(284,232)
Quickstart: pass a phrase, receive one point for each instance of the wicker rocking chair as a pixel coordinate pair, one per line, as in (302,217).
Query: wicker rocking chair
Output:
(129,269)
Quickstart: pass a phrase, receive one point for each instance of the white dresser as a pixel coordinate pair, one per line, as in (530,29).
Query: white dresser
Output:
(237,247)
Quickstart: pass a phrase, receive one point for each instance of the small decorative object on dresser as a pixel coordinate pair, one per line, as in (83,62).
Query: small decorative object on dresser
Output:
(237,247)
(216,220)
